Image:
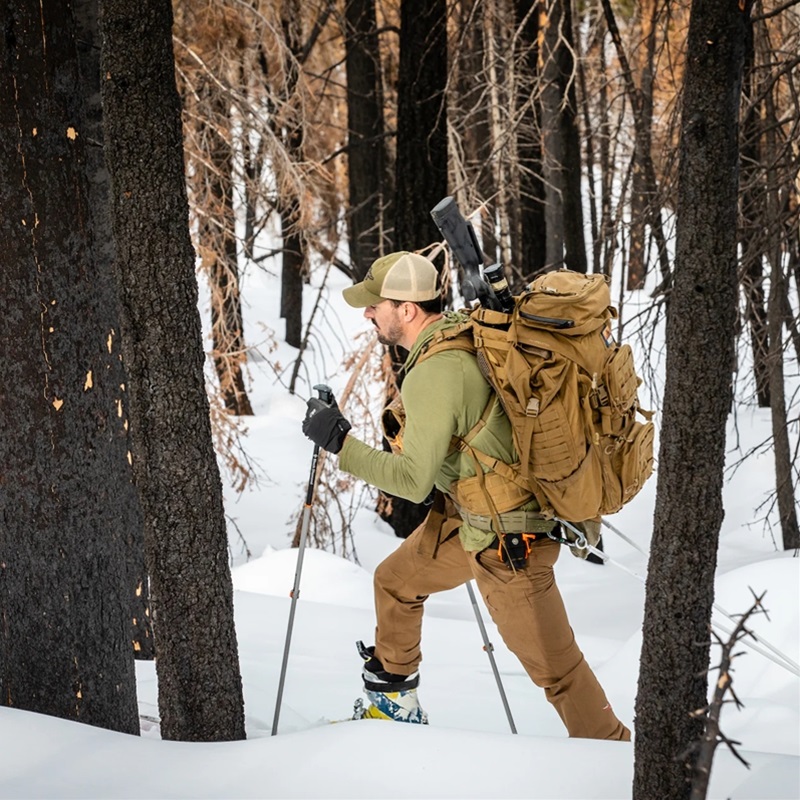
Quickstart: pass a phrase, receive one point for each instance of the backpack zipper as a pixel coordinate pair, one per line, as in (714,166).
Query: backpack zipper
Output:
(553,322)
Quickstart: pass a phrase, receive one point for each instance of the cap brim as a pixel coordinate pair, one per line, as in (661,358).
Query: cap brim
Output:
(358,296)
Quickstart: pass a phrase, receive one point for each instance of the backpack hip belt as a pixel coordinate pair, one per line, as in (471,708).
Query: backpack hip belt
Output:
(518,521)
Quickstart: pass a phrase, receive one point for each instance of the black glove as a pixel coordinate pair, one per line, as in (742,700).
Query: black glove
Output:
(325,425)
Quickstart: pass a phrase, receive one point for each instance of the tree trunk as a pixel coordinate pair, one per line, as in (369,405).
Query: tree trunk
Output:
(499,76)
(65,503)
(701,316)
(366,149)
(288,126)
(562,164)
(213,176)
(468,114)
(604,252)
(421,162)
(590,130)
(532,255)
(641,200)
(753,223)
(175,467)
(784,477)
(421,166)
(128,508)
(574,239)
(793,246)
(292,271)
(643,154)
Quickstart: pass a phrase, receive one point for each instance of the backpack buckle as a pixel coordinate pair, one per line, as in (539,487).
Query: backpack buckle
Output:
(532,409)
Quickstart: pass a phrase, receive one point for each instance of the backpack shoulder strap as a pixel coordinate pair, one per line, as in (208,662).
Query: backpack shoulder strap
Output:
(463,442)
(456,337)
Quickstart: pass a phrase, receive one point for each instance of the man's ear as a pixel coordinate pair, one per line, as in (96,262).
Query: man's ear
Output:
(410,311)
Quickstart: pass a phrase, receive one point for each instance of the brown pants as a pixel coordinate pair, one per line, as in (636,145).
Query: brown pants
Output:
(526,606)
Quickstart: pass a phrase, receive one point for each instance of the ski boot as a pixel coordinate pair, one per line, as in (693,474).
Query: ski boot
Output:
(390,696)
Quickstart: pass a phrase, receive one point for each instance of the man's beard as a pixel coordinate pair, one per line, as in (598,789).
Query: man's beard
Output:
(391,335)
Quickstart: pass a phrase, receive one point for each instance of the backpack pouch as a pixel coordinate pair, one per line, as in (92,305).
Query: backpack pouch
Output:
(558,445)
(636,459)
(569,303)
(620,380)
(579,495)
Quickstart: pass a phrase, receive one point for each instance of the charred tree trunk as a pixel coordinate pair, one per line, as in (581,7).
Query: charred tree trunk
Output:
(701,318)
(65,499)
(753,222)
(532,254)
(174,464)
(128,509)
(561,164)
(476,138)
(498,77)
(421,167)
(292,272)
(784,476)
(574,239)
(793,246)
(785,485)
(288,126)
(366,148)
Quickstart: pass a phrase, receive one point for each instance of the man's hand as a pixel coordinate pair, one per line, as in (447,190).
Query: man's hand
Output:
(325,425)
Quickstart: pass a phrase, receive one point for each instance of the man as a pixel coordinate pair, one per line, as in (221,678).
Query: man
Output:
(444,395)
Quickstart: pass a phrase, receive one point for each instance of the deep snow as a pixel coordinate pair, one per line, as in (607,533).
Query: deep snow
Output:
(467,750)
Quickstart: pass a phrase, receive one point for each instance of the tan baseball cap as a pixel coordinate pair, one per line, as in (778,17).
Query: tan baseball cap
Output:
(397,276)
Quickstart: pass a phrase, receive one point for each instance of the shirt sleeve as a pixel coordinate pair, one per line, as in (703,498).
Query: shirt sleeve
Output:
(432,396)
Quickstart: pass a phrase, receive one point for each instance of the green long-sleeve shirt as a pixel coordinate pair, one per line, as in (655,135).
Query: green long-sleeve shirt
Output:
(444,395)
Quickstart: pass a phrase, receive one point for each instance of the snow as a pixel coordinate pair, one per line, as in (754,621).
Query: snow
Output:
(467,750)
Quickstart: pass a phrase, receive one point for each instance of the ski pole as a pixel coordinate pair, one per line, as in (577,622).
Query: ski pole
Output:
(582,544)
(489,648)
(326,395)
(785,662)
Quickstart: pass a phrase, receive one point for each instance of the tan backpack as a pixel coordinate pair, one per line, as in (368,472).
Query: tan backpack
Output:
(570,392)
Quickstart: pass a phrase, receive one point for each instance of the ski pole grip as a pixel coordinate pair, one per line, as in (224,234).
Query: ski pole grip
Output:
(325,393)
